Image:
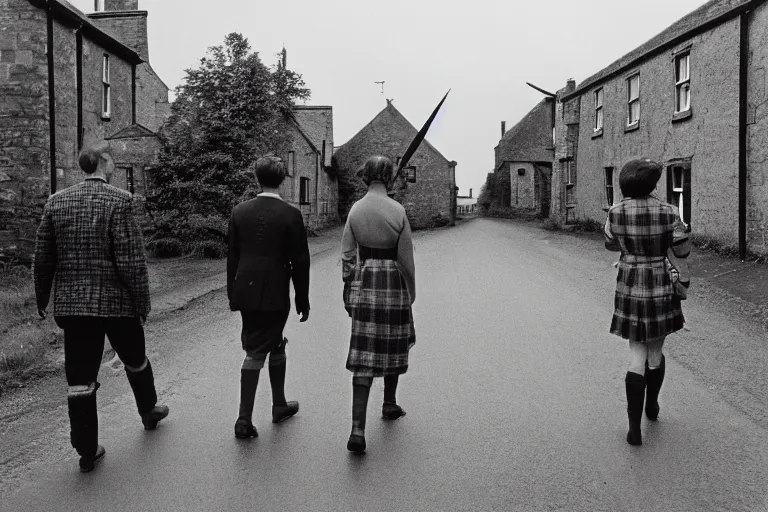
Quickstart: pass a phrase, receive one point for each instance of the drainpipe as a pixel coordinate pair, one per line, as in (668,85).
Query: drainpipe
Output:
(51,96)
(79,66)
(743,105)
(133,94)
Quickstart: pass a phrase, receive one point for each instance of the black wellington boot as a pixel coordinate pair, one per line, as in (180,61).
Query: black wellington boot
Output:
(143,385)
(635,386)
(653,381)
(84,426)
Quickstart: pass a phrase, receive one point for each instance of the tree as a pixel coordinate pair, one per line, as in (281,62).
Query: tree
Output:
(228,111)
(487,194)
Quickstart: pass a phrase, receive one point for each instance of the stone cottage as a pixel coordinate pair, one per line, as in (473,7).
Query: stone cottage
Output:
(523,160)
(693,97)
(311,184)
(69,80)
(427,187)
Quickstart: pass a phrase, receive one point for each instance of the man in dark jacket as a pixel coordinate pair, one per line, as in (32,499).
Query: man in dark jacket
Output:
(267,249)
(89,249)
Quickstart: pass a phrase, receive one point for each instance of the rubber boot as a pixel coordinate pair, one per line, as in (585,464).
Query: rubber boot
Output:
(635,386)
(653,381)
(361,388)
(143,385)
(84,421)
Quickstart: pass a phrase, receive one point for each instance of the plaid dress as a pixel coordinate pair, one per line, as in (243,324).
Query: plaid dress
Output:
(382,322)
(645,306)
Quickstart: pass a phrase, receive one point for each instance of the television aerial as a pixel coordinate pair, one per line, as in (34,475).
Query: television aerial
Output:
(382,85)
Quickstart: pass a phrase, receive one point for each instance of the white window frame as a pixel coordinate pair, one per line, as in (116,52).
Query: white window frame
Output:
(599,116)
(682,82)
(106,91)
(632,101)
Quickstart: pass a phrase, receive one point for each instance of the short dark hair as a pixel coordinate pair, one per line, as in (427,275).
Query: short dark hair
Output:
(89,160)
(270,171)
(638,178)
(377,168)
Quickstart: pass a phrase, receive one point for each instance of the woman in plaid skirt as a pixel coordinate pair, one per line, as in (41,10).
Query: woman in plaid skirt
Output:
(642,227)
(379,289)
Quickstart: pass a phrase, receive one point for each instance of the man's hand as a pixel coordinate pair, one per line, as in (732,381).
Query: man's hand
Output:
(304,314)
(42,312)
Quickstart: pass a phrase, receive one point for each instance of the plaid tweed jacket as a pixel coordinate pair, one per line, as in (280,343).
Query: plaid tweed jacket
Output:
(89,249)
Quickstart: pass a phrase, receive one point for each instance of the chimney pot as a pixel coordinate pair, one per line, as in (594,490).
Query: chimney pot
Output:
(470,193)
(503,128)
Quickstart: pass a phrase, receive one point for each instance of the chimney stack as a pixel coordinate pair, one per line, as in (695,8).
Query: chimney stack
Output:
(470,193)
(503,128)
(123,20)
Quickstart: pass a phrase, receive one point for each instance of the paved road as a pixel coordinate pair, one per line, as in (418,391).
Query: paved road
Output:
(515,402)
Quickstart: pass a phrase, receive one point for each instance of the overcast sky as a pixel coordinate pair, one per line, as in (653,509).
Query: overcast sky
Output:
(484,50)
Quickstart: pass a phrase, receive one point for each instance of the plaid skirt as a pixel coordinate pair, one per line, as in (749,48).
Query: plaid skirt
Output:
(382,321)
(645,308)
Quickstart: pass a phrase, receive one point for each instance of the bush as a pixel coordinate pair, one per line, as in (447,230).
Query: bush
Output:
(211,249)
(551,225)
(438,221)
(507,212)
(165,247)
(723,249)
(587,226)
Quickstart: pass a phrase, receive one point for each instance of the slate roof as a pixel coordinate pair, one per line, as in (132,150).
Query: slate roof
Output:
(66,12)
(712,13)
(406,125)
(315,124)
(530,140)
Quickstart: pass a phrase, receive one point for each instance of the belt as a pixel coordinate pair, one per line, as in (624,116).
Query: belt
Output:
(632,258)
(370,253)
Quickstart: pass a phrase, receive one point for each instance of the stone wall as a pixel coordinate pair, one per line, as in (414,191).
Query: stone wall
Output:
(152,105)
(757,133)
(24,136)
(709,137)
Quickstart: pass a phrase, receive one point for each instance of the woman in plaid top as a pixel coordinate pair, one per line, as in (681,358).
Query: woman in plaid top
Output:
(379,289)
(641,227)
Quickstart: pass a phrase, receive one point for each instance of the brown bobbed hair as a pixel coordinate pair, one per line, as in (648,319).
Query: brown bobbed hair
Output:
(638,178)
(270,171)
(377,168)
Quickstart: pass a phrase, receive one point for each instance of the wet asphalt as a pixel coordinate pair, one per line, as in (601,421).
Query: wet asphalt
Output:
(514,396)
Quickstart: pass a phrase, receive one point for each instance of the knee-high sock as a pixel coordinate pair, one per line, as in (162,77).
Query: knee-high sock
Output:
(249,379)
(361,388)
(390,388)
(277,381)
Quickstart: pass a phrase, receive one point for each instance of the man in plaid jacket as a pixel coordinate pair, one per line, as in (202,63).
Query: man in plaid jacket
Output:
(89,250)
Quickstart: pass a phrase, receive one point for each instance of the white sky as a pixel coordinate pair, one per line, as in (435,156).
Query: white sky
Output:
(484,50)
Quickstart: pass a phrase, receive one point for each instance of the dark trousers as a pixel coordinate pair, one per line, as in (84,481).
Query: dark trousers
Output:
(83,349)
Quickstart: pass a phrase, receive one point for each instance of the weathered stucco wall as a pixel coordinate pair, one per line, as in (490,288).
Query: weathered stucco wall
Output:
(522,187)
(24,136)
(757,134)
(709,137)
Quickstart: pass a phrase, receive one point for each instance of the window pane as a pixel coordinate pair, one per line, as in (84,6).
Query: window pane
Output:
(598,98)
(599,119)
(105,69)
(634,112)
(677,177)
(634,87)
(683,102)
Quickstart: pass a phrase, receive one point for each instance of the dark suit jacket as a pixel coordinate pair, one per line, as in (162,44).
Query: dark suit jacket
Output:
(267,249)
(90,250)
